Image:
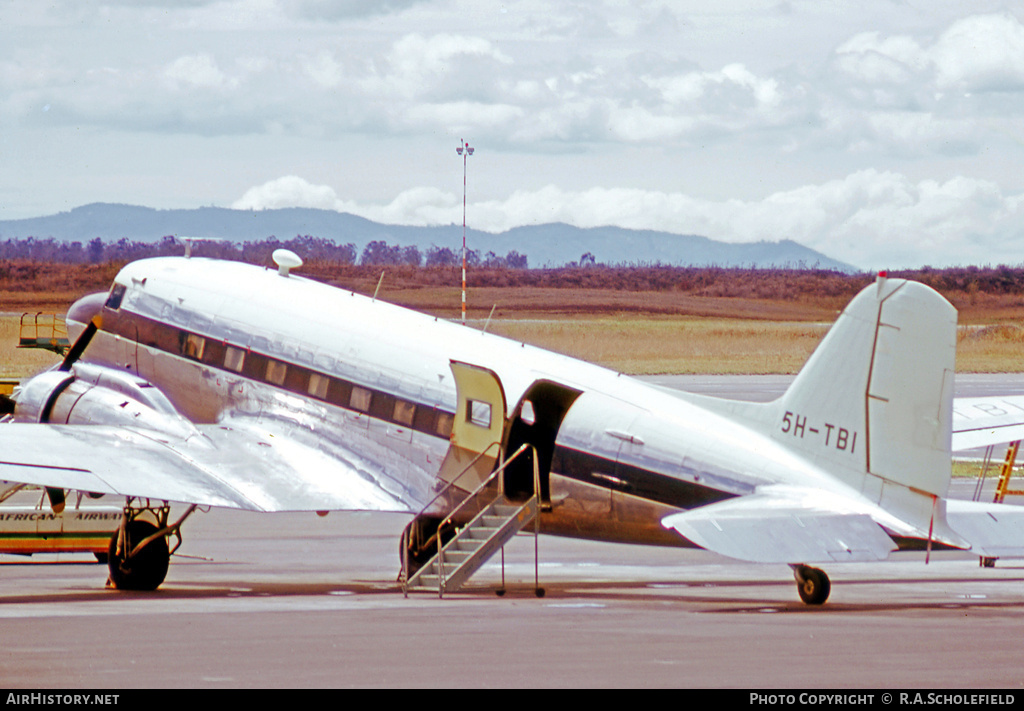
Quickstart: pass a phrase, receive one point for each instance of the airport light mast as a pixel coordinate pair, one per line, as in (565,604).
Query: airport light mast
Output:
(464,150)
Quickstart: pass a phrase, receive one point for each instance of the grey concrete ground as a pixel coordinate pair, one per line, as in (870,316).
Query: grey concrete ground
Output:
(299,601)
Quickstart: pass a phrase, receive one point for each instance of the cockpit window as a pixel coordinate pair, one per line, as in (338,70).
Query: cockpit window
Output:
(116,294)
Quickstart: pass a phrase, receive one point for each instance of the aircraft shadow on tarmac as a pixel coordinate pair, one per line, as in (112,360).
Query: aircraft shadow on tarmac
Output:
(706,596)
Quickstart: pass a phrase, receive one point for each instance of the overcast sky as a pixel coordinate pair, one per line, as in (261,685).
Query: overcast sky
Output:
(880,132)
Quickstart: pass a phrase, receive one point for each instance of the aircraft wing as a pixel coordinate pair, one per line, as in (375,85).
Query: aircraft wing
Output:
(784,526)
(983,421)
(242,464)
(994,530)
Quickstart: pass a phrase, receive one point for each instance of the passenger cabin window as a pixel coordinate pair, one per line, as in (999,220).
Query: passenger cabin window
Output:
(234,359)
(116,295)
(318,386)
(194,346)
(360,399)
(403,413)
(276,371)
(443,426)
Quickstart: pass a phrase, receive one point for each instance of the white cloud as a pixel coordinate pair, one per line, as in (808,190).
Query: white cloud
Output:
(981,53)
(957,92)
(977,53)
(417,65)
(198,70)
(459,116)
(288,191)
(418,206)
(333,10)
(323,69)
(693,86)
(877,61)
(415,206)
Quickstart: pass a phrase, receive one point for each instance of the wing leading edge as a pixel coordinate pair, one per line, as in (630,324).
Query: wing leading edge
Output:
(238,464)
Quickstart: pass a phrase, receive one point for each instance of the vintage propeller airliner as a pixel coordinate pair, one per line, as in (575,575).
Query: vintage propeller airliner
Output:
(213,383)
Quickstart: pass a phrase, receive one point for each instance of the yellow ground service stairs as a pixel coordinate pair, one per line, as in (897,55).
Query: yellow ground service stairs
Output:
(43,330)
(463,549)
(1003,486)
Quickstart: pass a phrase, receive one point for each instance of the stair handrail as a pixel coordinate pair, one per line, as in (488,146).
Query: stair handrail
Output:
(498,470)
(24,327)
(451,483)
(49,324)
(484,484)
(451,514)
(441,492)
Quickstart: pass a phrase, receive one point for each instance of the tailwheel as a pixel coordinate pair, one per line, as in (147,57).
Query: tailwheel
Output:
(812,584)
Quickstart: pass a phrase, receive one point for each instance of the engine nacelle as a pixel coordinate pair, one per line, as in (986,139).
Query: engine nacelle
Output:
(94,395)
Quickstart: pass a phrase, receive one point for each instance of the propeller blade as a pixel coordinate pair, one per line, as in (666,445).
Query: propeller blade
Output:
(57,500)
(75,352)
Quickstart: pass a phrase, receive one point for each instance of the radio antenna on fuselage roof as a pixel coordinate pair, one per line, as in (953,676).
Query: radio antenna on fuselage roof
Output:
(189,241)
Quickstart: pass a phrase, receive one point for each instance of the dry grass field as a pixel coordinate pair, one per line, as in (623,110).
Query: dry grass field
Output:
(583,303)
(654,345)
(995,348)
(651,344)
(668,321)
(647,346)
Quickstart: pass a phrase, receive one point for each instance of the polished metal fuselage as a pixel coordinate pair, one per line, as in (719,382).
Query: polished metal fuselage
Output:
(224,340)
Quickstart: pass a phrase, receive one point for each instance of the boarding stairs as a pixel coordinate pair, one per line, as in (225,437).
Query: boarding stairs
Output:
(498,520)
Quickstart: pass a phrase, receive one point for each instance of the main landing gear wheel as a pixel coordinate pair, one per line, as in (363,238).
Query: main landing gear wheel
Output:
(147,568)
(812,584)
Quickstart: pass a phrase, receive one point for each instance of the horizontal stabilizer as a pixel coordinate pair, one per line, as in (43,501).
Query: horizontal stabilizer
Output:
(764,528)
(994,530)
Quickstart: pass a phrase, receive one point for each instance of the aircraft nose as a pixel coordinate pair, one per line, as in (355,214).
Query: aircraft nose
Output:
(82,312)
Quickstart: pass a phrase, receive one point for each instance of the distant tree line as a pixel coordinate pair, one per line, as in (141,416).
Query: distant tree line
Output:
(311,249)
(380,252)
(31,264)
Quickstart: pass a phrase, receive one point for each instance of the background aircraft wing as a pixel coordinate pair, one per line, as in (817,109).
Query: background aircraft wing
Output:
(781,527)
(243,464)
(994,530)
(981,421)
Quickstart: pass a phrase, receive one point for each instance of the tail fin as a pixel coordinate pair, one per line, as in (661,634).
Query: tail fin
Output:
(874,402)
(873,405)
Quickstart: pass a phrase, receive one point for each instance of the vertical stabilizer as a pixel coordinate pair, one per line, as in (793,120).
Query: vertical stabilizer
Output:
(873,405)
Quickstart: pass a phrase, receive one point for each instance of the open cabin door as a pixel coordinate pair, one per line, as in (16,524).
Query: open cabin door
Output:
(478,428)
(536,421)
(480,431)
(443,551)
